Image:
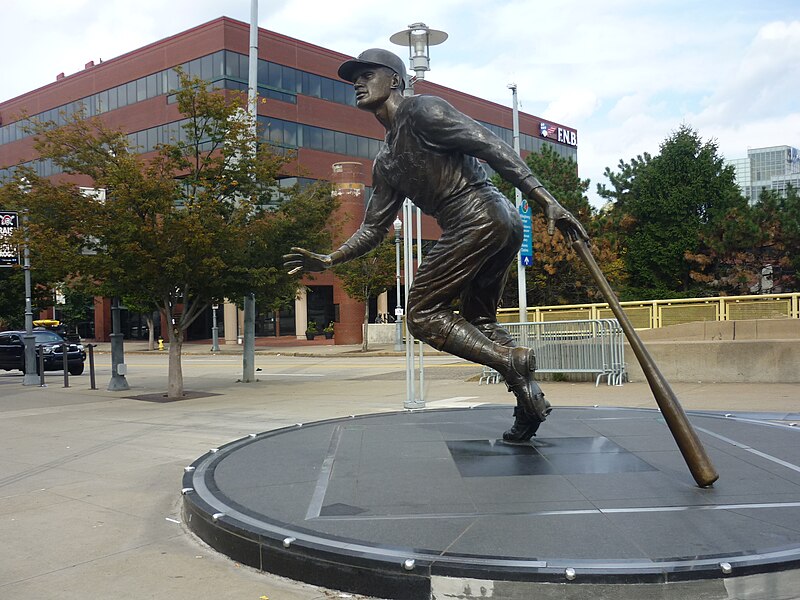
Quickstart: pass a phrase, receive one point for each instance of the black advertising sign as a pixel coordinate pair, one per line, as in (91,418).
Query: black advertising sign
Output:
(9,222)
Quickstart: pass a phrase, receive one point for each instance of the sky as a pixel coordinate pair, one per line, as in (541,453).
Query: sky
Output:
(625,73)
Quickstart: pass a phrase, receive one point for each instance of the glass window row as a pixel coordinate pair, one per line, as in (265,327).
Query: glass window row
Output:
(283,134)
(230,70)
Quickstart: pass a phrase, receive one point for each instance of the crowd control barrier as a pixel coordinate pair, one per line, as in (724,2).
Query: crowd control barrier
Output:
(590,346)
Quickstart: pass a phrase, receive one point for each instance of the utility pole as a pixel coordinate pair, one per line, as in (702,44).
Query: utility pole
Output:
(249,338)
(521,285)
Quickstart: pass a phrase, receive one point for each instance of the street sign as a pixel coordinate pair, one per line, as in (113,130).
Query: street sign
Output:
(9,222)
(526,251)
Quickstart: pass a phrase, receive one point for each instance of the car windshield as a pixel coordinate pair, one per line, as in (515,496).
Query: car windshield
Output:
(47,337)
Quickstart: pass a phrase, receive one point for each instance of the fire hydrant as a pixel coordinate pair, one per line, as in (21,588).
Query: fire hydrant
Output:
(160,343)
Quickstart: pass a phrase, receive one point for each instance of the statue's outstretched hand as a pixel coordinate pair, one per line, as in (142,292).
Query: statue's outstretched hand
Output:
(568,225)
(304,260)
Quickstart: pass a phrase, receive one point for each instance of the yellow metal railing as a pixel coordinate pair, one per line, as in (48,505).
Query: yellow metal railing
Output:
(653,314)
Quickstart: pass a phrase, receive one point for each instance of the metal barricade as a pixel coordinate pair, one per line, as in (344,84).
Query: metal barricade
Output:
(588,346)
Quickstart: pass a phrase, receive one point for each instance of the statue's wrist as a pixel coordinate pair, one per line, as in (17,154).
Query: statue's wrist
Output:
(334,258)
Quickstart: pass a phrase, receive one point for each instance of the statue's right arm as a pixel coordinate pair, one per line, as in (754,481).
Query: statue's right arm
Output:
(381,210)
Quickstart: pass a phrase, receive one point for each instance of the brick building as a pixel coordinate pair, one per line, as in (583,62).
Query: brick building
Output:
(307,108)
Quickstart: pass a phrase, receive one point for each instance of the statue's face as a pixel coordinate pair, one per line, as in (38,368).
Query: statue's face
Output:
(373,86)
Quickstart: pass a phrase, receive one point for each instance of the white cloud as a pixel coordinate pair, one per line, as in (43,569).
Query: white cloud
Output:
(625,73)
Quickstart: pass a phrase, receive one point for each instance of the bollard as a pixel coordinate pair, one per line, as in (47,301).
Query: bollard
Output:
(41,368)
(91,366)
(65,354)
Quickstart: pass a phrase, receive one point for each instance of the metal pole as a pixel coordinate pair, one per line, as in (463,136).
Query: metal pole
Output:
(408,276)
(248,353)
(522,291)
(118,367)
(420,401)
(92,381)
(214,329)
(41,368)
(28,339)
(398,311)
(65,357)
(249,350)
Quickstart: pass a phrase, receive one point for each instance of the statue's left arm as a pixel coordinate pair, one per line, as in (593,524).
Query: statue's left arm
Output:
(447,129)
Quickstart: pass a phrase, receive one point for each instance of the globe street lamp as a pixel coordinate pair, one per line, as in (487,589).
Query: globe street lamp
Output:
(398,311)
(419,38)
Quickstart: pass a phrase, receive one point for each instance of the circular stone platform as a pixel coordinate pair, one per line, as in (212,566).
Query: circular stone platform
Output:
(432,504)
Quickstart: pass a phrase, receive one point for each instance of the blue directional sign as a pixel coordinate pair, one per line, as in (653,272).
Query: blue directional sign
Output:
(526,252)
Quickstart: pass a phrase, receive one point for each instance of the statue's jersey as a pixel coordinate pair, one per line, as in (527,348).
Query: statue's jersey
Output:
(431,156)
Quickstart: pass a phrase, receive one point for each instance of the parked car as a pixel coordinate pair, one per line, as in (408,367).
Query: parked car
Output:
(48,343)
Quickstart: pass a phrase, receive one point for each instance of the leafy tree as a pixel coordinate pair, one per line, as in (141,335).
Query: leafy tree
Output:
(78,307)
(668,210)
(367,277)
(558,276)
(184,227)
(750,238)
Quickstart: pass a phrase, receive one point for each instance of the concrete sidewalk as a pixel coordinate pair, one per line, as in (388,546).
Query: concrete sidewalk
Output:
(89,484)
(268,346)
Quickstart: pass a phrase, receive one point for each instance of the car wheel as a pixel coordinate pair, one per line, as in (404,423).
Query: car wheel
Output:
(76,369)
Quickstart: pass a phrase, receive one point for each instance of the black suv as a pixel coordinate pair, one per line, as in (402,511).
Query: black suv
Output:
(48,343)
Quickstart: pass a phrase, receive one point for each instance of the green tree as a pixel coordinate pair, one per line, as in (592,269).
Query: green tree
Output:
(666,208)
(368,276)
(752,237)
(183,227)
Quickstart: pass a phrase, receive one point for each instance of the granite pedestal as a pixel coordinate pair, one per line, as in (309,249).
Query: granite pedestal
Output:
(432,504)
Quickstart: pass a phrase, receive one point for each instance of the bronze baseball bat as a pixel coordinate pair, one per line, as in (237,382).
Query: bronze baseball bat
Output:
(689,444)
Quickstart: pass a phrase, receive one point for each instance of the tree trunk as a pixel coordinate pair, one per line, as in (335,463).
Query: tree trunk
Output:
(175,384)
(151,335)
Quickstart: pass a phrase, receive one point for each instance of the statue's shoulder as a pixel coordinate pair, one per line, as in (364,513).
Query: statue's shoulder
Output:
(425,107)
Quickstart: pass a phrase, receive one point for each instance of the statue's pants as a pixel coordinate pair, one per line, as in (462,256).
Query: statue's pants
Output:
(482,234)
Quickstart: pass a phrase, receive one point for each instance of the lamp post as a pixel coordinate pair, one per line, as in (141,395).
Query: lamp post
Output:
(119,369)
(398,311)
(214,329)
(249,346)
(30,378)
(522,291)
(418,38)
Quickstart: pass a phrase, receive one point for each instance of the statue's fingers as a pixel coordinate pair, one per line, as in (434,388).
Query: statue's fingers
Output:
(296,270)
(301,251)
(293,262)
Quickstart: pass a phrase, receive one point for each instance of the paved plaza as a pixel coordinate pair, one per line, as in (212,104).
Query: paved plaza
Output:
(90,485)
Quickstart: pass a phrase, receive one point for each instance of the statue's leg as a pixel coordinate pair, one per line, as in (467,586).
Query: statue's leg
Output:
(479,302)
(470,256)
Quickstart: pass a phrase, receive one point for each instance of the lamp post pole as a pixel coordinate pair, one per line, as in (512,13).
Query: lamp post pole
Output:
(521,285)
(28,339)
(398,311)
(249,347)
(214,329)
(119,369)
(418,38)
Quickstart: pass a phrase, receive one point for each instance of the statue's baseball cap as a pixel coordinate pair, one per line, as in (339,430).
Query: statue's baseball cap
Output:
(374,57)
